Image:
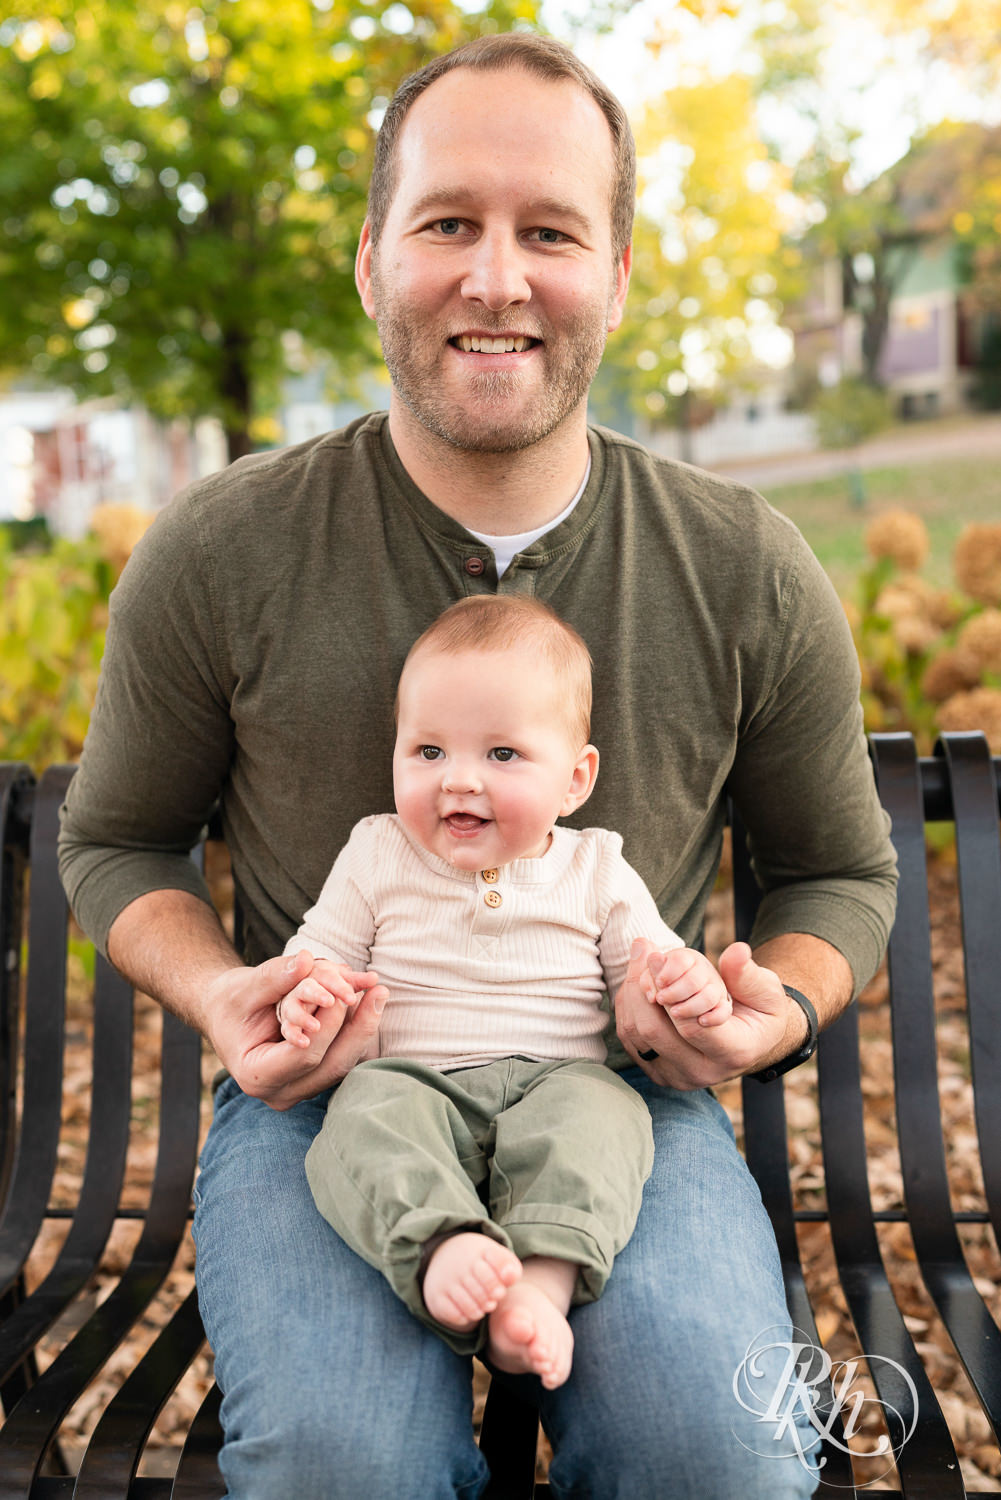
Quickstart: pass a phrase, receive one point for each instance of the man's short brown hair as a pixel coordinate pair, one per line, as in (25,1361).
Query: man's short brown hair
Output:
(503,622)
(542,56)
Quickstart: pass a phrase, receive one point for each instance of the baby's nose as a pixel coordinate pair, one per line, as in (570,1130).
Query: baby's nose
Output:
(461,776)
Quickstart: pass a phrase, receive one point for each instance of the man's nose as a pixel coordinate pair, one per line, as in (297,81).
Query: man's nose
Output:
(496,275)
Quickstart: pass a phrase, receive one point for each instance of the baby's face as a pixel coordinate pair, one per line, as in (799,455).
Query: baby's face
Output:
(484,761)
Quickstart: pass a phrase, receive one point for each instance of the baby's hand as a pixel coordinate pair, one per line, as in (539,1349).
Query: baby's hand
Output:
(689,988)
(327,986)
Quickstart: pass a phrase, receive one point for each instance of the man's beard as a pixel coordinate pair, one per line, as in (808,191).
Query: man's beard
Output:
(497,418)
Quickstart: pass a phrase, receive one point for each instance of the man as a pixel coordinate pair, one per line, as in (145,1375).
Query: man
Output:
(252,657)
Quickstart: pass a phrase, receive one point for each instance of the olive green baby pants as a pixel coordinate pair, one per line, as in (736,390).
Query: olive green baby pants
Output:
(548,1158)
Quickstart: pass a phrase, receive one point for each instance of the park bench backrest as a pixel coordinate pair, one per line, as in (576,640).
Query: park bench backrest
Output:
(962,781)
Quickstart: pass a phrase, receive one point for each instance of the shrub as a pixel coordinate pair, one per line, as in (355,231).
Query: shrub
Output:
(930,658)
(53,620)
(850,412)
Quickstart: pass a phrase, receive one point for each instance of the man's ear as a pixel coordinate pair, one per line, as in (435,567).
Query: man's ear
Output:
(585,774)
(617,305)
(363,269)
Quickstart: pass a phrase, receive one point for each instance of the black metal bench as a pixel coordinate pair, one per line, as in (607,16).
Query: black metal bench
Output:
(962,783)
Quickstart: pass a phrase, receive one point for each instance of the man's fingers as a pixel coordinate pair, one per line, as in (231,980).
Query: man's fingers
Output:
(638,954)
(636,970)
(371,1006)
(279,976)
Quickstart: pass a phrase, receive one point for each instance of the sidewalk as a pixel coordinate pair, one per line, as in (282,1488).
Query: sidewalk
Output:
(951,437)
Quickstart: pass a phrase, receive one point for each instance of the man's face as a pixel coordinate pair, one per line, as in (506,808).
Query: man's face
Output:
(499,229)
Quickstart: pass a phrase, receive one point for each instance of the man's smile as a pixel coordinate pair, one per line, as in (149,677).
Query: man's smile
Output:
(473,343)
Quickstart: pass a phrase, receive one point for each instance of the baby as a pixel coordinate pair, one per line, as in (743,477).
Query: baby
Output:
(487,1162)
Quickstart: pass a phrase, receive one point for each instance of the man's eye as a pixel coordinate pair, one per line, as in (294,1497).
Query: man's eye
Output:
(429,752)
(503,752)
(449,226)
(550,236)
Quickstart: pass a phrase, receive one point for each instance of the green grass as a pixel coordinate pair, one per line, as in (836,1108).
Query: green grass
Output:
(947,493)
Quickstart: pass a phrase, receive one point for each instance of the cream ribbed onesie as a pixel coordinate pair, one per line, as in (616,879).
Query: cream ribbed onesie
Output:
(484,965)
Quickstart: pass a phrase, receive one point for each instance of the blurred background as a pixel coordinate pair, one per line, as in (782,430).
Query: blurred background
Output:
(815,305)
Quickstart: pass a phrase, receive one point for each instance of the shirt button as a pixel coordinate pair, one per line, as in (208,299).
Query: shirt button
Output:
(474,566)
(489,876)
(493,898)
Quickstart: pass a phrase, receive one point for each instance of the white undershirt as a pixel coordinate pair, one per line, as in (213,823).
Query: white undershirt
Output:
(504,548)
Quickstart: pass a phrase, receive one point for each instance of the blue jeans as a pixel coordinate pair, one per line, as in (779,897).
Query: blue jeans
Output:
(332,1390)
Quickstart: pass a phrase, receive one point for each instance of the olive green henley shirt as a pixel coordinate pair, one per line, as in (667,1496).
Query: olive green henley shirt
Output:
(259,629)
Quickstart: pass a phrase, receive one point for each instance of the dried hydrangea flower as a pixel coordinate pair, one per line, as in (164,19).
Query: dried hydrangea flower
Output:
(949,673)
(978,709)
(980,639)
(908,603)
(977,562)
(900,536)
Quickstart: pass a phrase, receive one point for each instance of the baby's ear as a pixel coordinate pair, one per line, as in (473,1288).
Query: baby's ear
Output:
(585,774)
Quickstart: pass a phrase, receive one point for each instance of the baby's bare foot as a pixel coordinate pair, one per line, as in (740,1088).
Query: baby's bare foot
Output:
(466,1278)
(530,1335)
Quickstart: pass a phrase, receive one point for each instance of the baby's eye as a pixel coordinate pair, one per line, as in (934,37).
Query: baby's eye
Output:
(504,753)
(429,752)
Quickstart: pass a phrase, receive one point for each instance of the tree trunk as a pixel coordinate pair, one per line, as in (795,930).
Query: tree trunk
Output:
(685,428)
(238,443)
(236,394)
(875,327)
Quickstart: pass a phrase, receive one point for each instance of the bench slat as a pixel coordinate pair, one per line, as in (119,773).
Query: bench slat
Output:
(198,1476)
(103,1174)
(38,1138)
(16,784)
(976,794)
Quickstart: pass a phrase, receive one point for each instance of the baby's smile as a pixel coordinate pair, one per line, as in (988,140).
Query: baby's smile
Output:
(463,824)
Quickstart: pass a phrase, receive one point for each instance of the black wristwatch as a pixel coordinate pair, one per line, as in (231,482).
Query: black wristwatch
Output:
(802,1054)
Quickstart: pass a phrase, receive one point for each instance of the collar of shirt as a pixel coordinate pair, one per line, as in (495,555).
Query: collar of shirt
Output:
(504,548)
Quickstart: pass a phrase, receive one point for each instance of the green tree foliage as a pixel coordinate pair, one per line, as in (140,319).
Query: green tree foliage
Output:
(182,186)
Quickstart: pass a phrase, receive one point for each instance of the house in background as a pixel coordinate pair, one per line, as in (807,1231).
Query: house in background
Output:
(60,458)
(909,295)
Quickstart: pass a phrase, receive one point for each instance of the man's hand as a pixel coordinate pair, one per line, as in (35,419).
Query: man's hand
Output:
(243,1028)
(755,1032)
